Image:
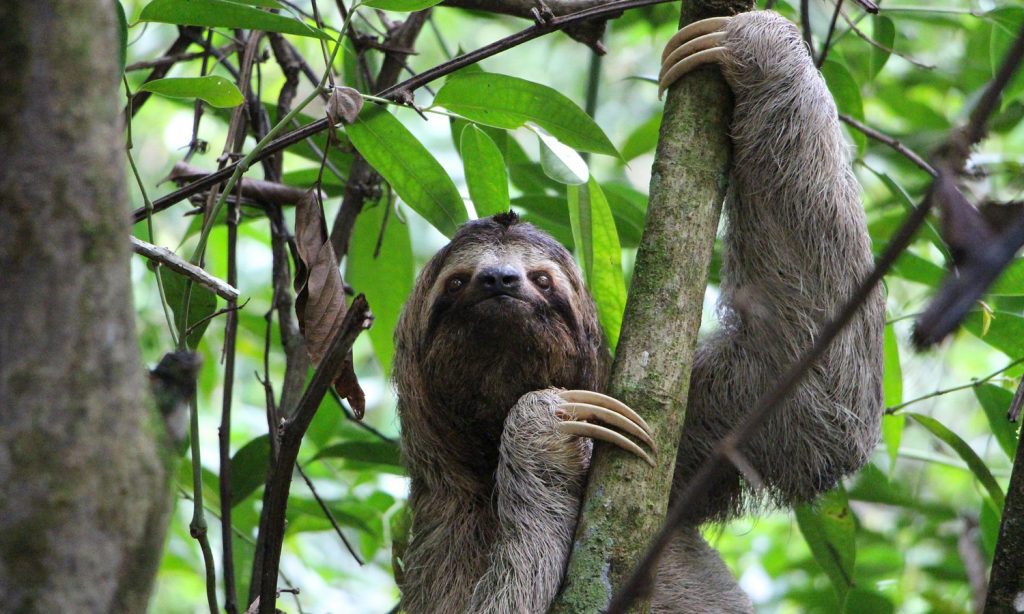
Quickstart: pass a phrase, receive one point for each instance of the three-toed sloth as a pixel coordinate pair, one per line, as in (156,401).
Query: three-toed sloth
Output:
(499,347)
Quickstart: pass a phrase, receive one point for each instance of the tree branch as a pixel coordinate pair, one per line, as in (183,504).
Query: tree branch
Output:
(272,525)
(588,33)
(174,262)
(891,142)
(625,502)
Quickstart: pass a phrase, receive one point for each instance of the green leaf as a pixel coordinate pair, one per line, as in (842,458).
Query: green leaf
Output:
(509,102)
(486,176)
(892,387)
(385,456)
(122,36)
(215,90)
(828,527)
(384,275)
(885,36)
(643,139)
(847,95)
(202,303)
(1006,24)
(597,244)
(561,163)
(1011,281)
(401,5)
(416,176)
(969,456)
(995,401)
(629,207)
(249,468)
(1005,331)
(225,14)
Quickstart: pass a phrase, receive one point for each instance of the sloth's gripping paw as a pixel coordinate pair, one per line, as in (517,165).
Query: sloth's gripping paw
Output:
(695,45)
(583,413)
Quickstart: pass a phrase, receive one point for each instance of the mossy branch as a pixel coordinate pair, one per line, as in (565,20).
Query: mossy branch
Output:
(626,500)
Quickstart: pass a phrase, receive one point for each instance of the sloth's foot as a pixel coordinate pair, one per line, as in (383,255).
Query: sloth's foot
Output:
(579,406)
(693,46)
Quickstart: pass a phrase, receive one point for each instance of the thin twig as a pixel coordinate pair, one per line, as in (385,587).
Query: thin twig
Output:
(891,142)
(174,262)
(973,384)
(878,45)
(828,37)
(329,514)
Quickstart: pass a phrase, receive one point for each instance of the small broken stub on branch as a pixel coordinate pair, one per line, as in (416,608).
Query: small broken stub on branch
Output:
(320,296)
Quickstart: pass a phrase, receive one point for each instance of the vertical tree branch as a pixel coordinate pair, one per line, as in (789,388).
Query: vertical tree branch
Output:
(625,500)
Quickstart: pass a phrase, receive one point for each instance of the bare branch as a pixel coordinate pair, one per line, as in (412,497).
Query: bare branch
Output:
(891,142)
(174,262)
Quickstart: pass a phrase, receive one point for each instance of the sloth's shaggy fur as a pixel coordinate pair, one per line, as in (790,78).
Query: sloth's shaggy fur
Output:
(496,488)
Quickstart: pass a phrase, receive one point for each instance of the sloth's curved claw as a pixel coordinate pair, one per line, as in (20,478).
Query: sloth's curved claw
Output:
(694,45)
(589,405)
(596,398)
(586,411)
(585,429)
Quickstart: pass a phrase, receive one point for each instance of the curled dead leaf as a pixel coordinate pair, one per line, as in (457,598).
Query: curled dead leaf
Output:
(320,295)
(344,105)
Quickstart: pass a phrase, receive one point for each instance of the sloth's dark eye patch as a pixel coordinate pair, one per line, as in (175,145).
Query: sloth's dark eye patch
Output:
(542,279)
(456,283)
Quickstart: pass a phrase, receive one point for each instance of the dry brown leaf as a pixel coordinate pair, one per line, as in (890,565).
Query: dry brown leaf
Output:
(320,295)
(344,105)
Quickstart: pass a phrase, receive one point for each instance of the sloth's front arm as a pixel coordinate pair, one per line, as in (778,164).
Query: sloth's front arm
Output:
(796,246)
(544,455)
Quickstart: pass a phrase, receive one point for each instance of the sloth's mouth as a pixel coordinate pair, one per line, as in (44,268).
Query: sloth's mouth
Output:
(502,297)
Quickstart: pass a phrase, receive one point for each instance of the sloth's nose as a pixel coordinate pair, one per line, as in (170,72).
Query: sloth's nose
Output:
(501,278)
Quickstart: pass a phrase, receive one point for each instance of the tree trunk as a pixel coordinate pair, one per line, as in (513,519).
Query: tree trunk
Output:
(84,493)
(626,501)
(1006,584)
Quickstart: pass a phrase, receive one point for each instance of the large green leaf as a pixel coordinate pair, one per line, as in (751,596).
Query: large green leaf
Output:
(829,528)
(969,456)
(995,401)
(214,89)
(486,176)
(847,95)
(643,139)
(892,387)
(122,35)
(561,163)
(201,305)
(380,265)
(225,14)
(597,244)
(1005,331)
(509,102)
(1011,281)
(385,456)
(417,177)
(885,36)
(401,5)
(249,468)
(1006,25)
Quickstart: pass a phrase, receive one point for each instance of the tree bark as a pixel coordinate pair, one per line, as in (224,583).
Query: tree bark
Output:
(1006,583)
(84,480)
(626,501)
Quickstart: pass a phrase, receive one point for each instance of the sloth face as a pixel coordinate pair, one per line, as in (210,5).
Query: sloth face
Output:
(500,311)
(499,280)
